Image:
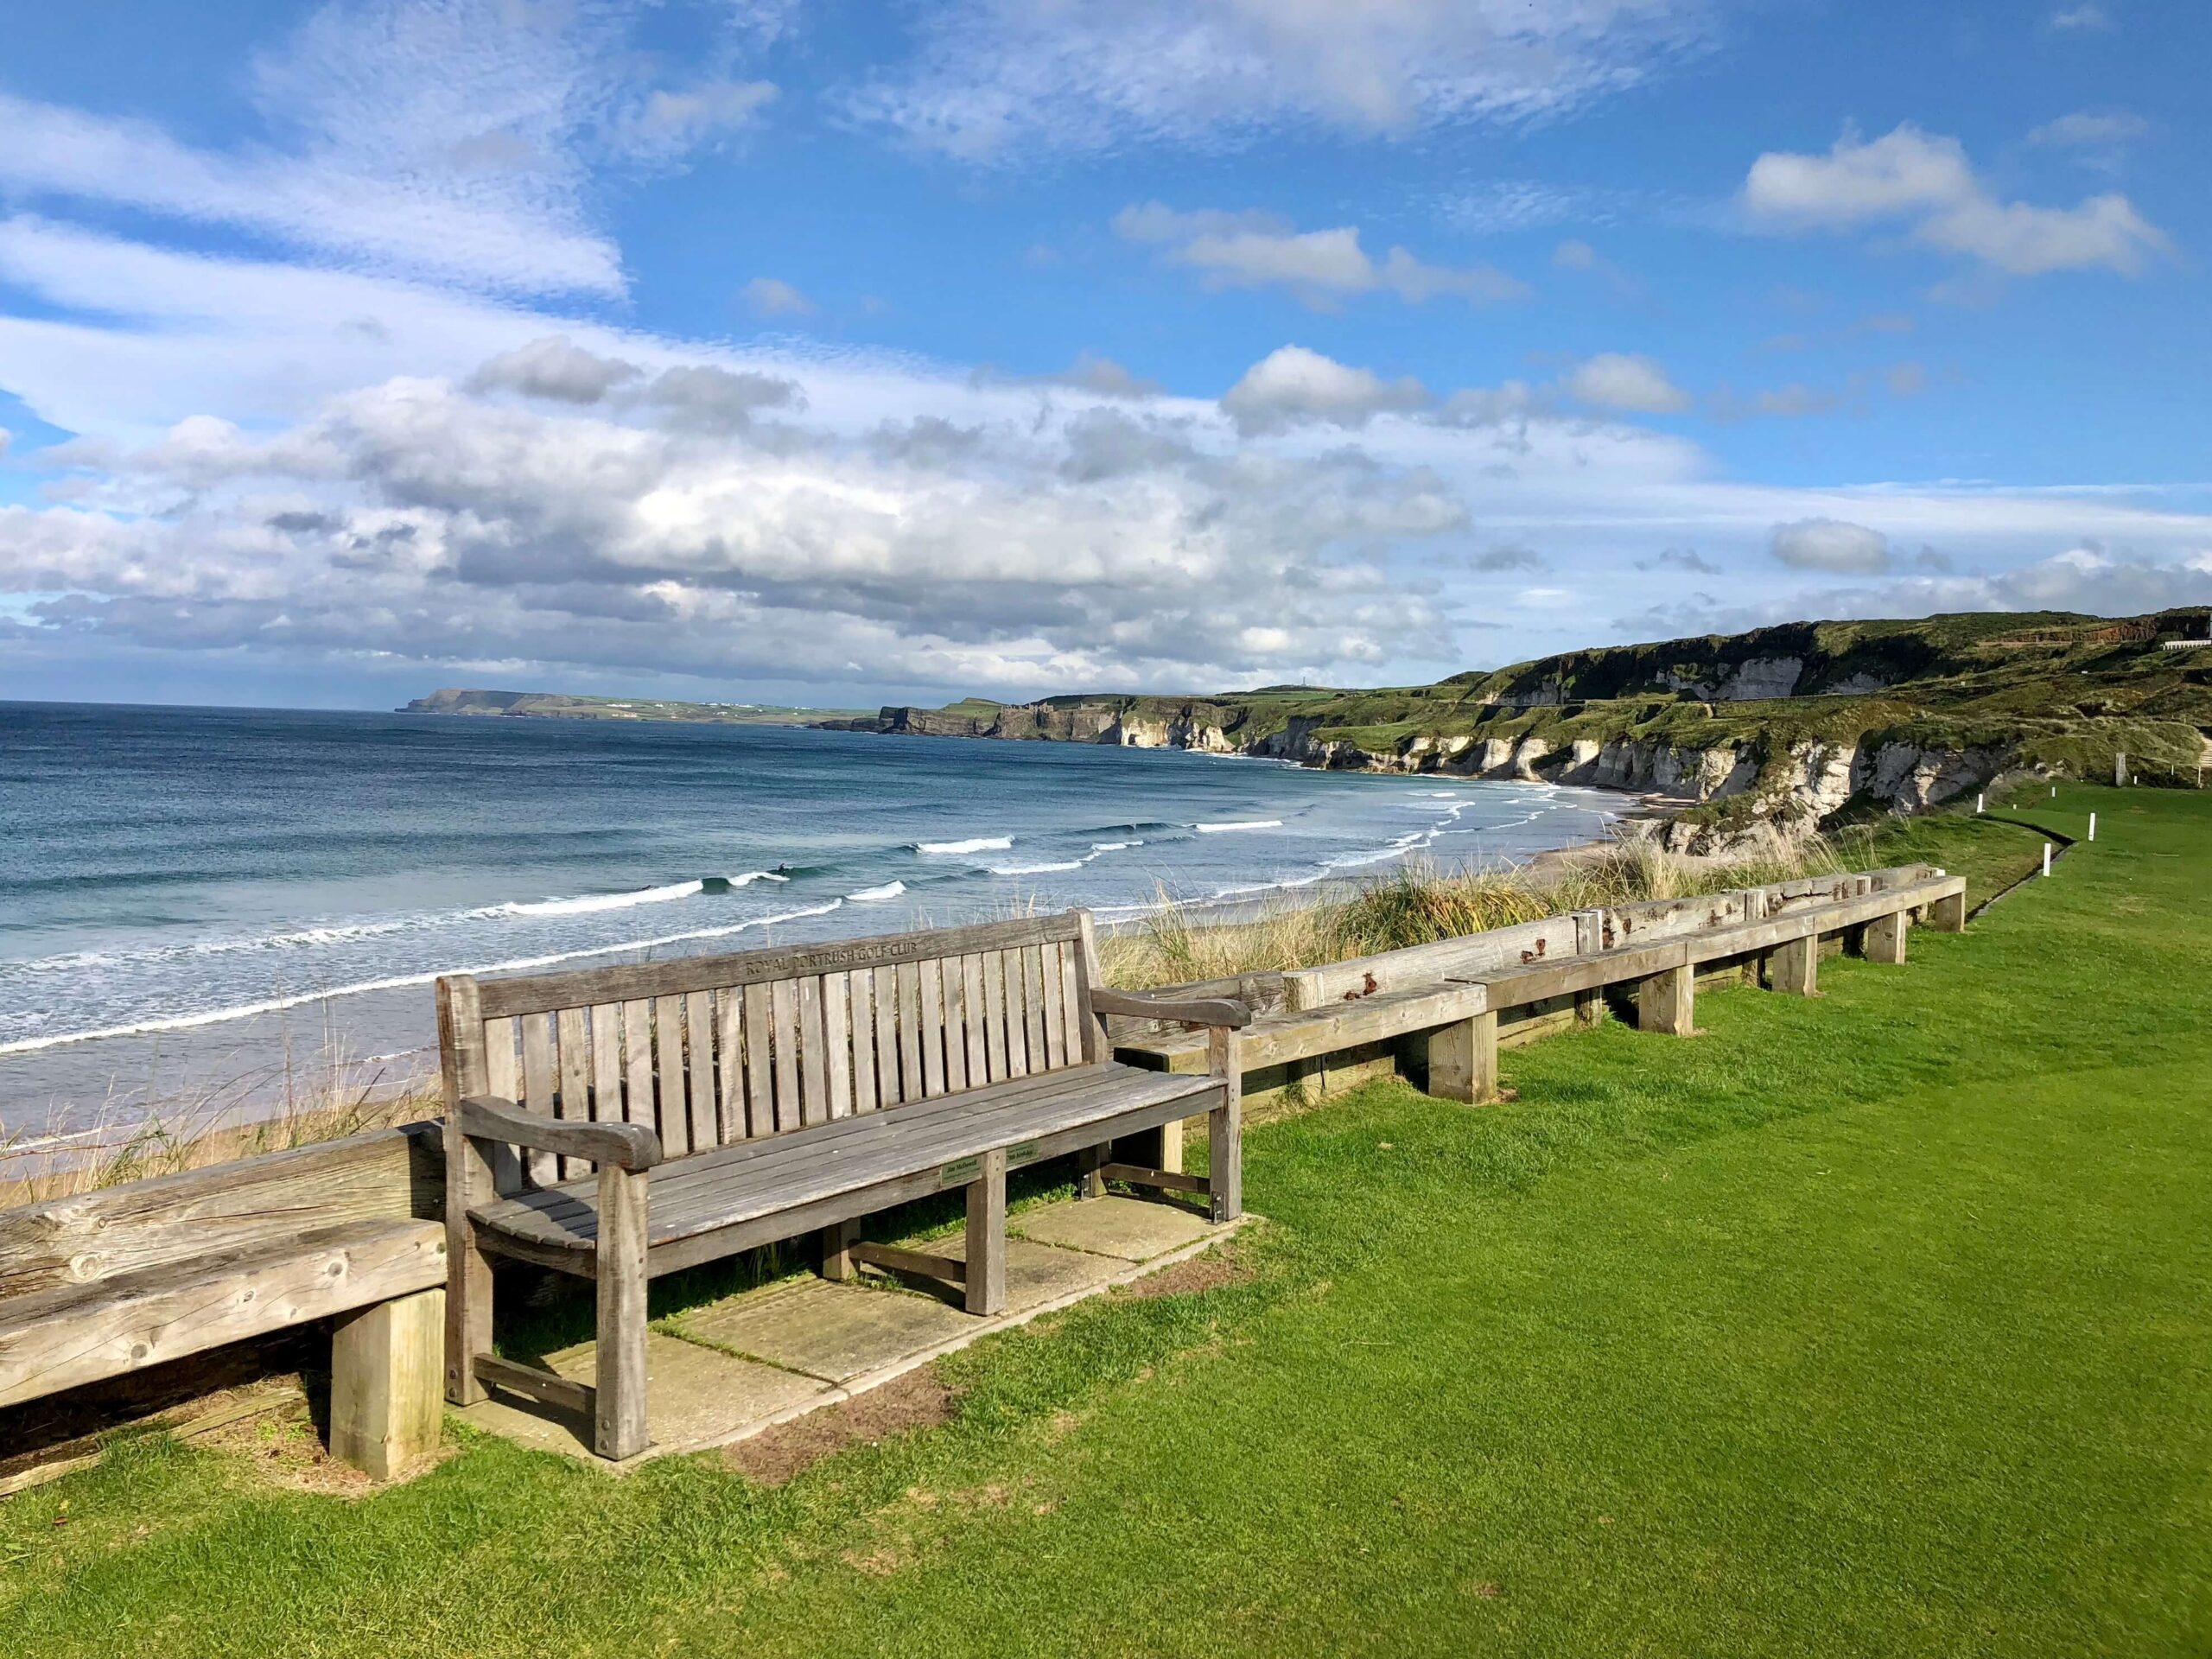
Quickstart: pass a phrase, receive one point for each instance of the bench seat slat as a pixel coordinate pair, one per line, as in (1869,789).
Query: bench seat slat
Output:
(701,1194)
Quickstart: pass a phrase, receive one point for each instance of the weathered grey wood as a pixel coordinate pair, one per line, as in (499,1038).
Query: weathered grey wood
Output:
(1308,988)
(563,1394)
(639,1104)
(994,1016)
(1144,1175)
(1286,1036)
(783,1022)
(1089,1020)
(729,1067)
(574,1101)
(387,1394)
(1225,1126)
(465,1071)
(1032,1007)
(387,1175)
(1462,1059)
(668,1066)
(985,1283)
(930,1025)
(699,1068)
(619,1410)
(837,1243)
(538,1087)
(837,1043)
(606,1100)
(1050,1008)
(1667,1001)
(1072,1016)
(862,992)
(893,1087)
(626,1146)
(954,972)
(1154,1005)
(1089,1172)
(1580,975)
(1795,966)
(813,1062)
(760,1060)
(1948,914)
(925,1263)
(677,975)
(971,999)
(1884,940)
(67,1337)
(915,1083)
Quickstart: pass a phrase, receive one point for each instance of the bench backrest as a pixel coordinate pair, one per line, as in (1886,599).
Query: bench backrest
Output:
(713,1049)
(387,1175)
(1544,940)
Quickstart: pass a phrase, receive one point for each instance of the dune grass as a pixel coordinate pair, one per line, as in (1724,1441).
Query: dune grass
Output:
(1873,1323)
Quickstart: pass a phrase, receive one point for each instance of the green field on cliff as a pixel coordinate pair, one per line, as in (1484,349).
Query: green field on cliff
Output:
(1868,1324)
(2045,690)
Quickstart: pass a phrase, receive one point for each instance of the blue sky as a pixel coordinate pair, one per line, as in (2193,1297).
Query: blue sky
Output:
(836,352)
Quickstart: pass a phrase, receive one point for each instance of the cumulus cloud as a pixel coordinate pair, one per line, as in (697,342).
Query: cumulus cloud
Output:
(556,368)
(1625,380)
(1254,249)
(767,296)
(670,122)
(1291,384)
(1002,81)
(1926,179)
(1830,545)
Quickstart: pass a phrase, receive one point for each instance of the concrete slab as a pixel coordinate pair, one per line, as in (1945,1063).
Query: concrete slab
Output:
(829,1343)
(1039,1274)
(836,1332)
(694,1396)
(1134,1230)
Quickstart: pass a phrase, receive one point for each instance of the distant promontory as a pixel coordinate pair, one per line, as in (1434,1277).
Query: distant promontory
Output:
(562,705)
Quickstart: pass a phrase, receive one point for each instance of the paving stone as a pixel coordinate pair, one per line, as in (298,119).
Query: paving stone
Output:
(694,1396)
(1136,1229)
(1041,1272)
(833,1331)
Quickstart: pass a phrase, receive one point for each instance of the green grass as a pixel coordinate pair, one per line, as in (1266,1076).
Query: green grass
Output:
(1872,1324)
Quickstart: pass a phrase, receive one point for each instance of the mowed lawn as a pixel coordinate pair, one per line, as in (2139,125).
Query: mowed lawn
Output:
(1879,1324)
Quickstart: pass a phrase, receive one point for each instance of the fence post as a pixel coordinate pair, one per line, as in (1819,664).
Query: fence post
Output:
(2046,858)
(2092,826)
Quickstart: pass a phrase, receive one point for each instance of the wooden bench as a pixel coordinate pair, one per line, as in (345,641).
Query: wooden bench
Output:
(126,1277)
(734,1101)
(1447,997)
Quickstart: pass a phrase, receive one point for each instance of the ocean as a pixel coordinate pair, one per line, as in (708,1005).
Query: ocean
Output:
(207,904)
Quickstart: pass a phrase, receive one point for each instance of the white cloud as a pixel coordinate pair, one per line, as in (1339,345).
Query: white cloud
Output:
(554,368)
(1909,174)
(1830,545)
(1007,80)
(1254,250)
(769,297)
(670,122)
(1627,381)
(2087,17)
(1292,383)
(2091,130)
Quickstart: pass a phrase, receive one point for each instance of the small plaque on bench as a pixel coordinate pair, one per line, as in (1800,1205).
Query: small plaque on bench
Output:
(1025,1153)
(960,1172)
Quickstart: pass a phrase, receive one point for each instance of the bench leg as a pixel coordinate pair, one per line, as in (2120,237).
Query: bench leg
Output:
(1949,915)
(837,1266)
(1463,1060)
(468,1270)
(1089,1183)
(986,1281)
(1795,967)
(1884,939)
(1667,1002)
(386,1404)
(618,1409)
(1225,1130)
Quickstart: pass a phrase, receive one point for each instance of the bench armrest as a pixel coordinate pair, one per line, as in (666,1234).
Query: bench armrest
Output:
(626,1146)
(1154,1005)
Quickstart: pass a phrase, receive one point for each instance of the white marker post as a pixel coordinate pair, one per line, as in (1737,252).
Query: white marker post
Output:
(2046,858)
(2092,826)
(1978,800)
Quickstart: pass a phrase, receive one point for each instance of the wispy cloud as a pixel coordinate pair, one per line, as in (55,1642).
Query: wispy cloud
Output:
(1256,250)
